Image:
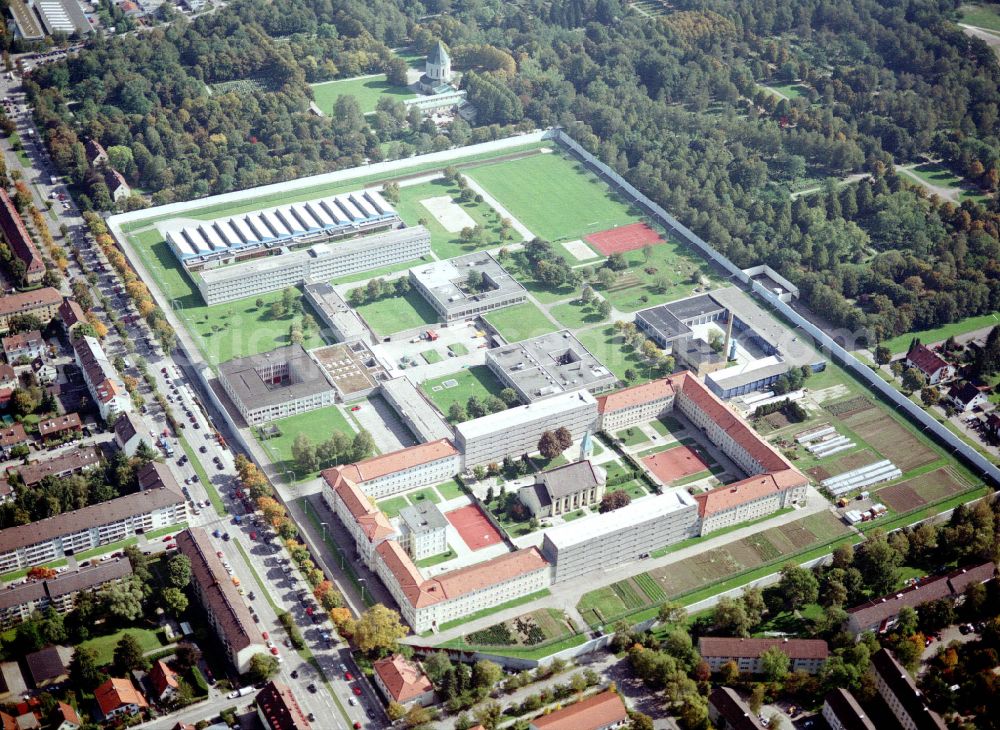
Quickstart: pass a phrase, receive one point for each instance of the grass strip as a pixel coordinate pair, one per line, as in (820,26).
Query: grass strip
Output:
(494,609)
(153,534)
(536,652)
(109,548)
(345,564)
(213,494)
(18,574)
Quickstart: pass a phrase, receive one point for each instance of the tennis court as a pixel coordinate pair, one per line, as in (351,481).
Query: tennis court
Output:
(673,464)
(623,238)
(473,527)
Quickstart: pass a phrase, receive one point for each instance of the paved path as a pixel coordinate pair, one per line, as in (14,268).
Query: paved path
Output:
(199,711)
(991,39)
(945,193)
(843,181)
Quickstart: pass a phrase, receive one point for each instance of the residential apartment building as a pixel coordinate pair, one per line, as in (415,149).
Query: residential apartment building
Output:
(118,697)
(19,240)
(72,316)
(225,608)
(842,712)
(103,381)
(629,533)
(749,499)
(895,685)
(130,431)
(516,431)
(23,346)
(70,462)
(345,324)
(403,681)
(423,419)
(446,286)
(18,602)
(635,405)
(934,367)
(728,711)
(426,604)
(399,471)
(11,436)
(44,541)
(56,428)
(276,384)
(880,614)
(43,303)
(805,655)
(278,709)
(603,711)
(564,489)
(423,530)
(320,262)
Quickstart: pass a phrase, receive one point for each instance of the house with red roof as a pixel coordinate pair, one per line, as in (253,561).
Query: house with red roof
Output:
(403,681)
(163,680)
(118,697)
(19,240)
(934,367)
(398,471)
(66,717)
(602,711)
(804,655)
(72,316)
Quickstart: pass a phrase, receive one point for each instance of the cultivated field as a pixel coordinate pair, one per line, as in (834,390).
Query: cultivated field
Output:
(927,488)
(554,197)
(366,89)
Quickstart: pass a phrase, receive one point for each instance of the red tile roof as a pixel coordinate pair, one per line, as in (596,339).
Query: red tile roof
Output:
(162,677)
(71,421)
(926,360)
(636,395)
(597,711)
(380,466)
(28,301)
(17,236)
(732,495)
(373,522)
(117,692)
(277,703)
(402,678)
(72,313)
(13,435)
(68,713)
(722,646)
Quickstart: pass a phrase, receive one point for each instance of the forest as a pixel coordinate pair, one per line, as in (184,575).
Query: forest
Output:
(681,104)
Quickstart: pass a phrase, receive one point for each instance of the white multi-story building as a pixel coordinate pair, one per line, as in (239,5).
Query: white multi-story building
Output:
(630,533)
(516,431)
(159,504)
(319,262)
(276,384)
(412,407)
(842,712)
(895,685)
(399,471)
(446,286)
(105,385)
(345,324)
(804,655)
(367,524)
(426,604)
(632,406)
(749,499)
(423,530)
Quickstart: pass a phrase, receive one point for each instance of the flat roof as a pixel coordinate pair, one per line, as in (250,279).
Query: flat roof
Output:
(446,281)
(595,526)
(332,307)
(553,363)
(305,377)
(423,517)
(420,415)
(525,414)
(351,368)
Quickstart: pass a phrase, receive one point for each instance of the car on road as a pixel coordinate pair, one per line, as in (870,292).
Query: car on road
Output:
(312,687)
(225,535)
(167,538)
(347,675)
(295,674)
(203,449)
(274,650)
(312,717)
(356,690)
(352,702)
(355,408)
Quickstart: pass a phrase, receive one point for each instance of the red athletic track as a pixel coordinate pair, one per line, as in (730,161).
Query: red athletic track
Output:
(623,238)
(674,464)
(473,527)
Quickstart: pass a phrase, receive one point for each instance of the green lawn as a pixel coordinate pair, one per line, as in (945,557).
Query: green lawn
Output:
(450,490)
(575,314)
(901,343)
(575,515)
(366,89)
(609,347)
(444,243)
(431,356)
(985,15)
(520,322)
(392,505)
(383,271)
(105,645)
(318,425)
(933,173)
(109,548)
(394,314)
(424,495)
(554,197)
(458,348)
(632,436)
(640,285)
(18,574)
(478,381)
(444,557)
(792,91)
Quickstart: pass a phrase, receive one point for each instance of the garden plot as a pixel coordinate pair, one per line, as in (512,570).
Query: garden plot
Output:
(448,213)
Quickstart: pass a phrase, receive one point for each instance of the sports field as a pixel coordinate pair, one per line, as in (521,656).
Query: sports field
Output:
(366,89)
(623,238)
(448,244)
(457,387)
(395,314)
(554,197)
(673,464)
(520,322)
(318,425)
(473,527)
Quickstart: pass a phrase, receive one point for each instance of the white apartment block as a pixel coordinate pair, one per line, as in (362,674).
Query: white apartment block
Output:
(804,655)
(367,524)
(320,262)
(633,406)
(895,685)
(516,431)
(105,385)
(400,471)
(630,533)
(69,533)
